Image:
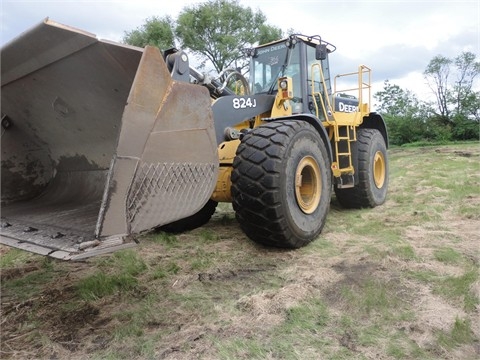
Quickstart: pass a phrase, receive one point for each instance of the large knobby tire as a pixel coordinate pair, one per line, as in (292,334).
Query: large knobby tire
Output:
(281,184)
(372,173)
(193,221)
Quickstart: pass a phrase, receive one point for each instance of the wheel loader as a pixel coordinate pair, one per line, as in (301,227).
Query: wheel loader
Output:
(103,141)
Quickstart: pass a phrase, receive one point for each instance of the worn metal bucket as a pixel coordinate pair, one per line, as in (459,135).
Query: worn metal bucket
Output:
(98,143)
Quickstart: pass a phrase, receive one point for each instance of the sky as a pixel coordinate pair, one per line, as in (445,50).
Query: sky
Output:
(396,39)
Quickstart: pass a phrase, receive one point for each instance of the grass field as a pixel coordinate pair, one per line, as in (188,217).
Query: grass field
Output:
(400,281)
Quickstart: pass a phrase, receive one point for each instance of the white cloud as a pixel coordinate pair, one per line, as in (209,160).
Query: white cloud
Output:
(396,38)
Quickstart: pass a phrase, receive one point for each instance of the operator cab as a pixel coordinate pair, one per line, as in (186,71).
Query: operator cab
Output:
(299,57)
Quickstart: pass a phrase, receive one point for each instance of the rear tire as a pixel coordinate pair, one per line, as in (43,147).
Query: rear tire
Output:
(372,173)
(194,221)
(281,184)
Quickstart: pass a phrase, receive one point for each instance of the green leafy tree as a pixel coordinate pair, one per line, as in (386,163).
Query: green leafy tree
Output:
(218,31)
(405,115)
(396,101)
(464,128)
(455,115)
(267,33)
(155,32)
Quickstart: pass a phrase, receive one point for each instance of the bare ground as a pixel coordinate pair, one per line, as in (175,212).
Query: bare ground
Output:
(244,292)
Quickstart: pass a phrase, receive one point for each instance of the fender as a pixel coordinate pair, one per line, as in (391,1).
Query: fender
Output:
(316,123)
(375,121)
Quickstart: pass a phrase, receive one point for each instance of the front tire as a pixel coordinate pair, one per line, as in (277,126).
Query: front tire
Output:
(281,184)
(372,173)
(191,222)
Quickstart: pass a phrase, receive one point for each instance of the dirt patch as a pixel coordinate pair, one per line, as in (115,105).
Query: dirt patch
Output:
(55,313)
(16,272)
(231,274)
(268,307)
(473,152)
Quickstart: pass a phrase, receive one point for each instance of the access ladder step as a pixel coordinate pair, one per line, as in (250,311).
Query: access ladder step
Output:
(345,181)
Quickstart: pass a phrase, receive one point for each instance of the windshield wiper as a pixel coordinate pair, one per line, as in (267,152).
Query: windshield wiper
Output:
(280,71)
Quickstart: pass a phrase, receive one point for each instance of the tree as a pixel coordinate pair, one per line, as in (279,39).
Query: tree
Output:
(396,101)
(437,73)
(454,97)
(458,104)
(156,32)
(405,115)
(218,31)
(268,33)
(467,101)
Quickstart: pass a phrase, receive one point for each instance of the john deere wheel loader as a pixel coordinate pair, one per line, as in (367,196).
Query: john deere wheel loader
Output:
(103,141)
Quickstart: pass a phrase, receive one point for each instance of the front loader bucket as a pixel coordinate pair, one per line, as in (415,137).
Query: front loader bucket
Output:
(98,143)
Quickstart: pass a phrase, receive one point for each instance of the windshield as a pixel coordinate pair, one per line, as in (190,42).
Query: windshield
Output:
(268,65)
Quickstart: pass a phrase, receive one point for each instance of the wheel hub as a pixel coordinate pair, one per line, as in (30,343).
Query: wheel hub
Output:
(379,169)
(308,185)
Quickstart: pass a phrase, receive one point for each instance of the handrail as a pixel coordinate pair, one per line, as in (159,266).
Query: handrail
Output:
(325,91)
(363,85)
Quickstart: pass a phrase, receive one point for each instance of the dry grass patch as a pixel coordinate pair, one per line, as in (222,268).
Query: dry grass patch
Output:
(396,282)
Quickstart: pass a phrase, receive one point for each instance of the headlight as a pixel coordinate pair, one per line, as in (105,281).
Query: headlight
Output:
(283,84)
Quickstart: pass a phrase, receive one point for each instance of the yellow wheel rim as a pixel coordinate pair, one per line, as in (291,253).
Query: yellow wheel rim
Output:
(308,185)
(379,169)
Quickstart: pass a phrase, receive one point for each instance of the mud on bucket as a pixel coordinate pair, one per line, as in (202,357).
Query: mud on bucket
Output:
(98,143)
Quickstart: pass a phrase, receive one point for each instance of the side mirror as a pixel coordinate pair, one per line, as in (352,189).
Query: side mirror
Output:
(321,51)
